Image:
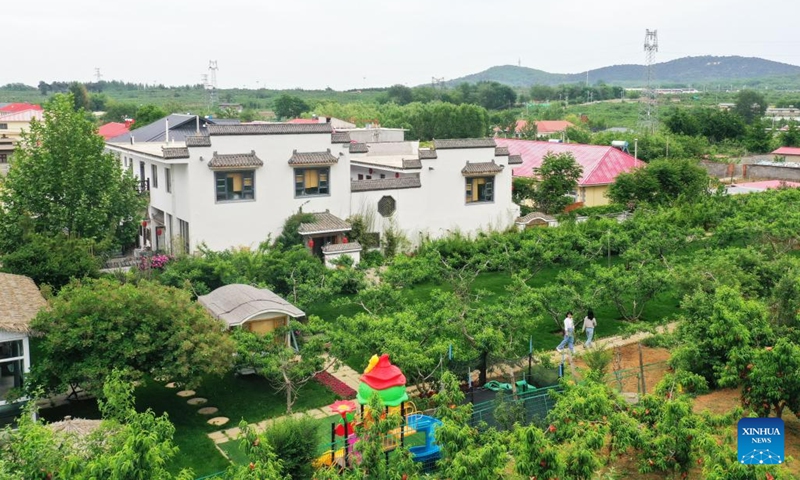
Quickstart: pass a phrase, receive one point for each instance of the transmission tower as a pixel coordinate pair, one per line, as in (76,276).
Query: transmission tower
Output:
(211,86)
(97,75)
(648,116)
(437,84)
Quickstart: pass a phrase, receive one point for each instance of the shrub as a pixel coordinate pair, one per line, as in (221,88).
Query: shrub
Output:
(682,382)
(294,441)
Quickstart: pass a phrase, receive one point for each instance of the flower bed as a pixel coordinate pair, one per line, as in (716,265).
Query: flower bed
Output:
(335,385)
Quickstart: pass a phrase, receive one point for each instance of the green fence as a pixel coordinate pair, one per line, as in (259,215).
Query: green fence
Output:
(629,380)
(536,405)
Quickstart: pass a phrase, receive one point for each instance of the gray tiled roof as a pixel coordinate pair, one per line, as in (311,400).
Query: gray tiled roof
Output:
(480,168)
(198,141)
(236,303)
(411,163)
(270,129)
(324,222)
(313,158)
(235,160)
(342,247)
(180,127)
(427,154)
(533,216)
(340,137)
(174,152)
(464,143)
(501,151)
(515,159)
(359,148)
(411,181)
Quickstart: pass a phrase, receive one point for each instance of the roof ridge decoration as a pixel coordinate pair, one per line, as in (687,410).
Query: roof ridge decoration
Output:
(229,161)
(313,158)
(515,159)
(174,152)
(270,129)
(198,141)
(427,154)
(481,168)
(408,181)
(464,143)
(358,147)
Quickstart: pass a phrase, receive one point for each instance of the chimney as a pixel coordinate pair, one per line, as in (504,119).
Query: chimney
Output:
(166,130)
(197,126)
(327,119)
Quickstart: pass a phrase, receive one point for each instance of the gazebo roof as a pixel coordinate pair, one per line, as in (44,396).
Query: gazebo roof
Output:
(237,303)
(20,301)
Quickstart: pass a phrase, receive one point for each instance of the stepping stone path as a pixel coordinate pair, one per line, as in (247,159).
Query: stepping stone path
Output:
(171,385)
(208,410)
(196,401)
(186,393)
(217,421)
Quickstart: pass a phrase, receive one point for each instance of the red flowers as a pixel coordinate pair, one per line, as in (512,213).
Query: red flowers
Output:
(338,387)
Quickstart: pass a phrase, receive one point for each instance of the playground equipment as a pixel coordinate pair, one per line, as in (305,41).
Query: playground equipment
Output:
(426,425)
(388,382)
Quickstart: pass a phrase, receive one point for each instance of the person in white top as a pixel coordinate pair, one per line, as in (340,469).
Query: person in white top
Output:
(569,334)
(589,323)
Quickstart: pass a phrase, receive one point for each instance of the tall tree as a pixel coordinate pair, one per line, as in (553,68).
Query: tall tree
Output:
(98,325)
(750,105)
(147,114)
(80,97)
(288,106)
(400,94)
(62,182)
(558,177)
(661,182)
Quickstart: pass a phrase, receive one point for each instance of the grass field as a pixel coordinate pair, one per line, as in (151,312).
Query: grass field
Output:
(248,398)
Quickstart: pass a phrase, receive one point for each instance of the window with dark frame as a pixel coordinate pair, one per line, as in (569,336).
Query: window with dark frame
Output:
(3,126)
(311,181)
(154,174)
(168,179)
(479,189)
(3,158)
(235,186)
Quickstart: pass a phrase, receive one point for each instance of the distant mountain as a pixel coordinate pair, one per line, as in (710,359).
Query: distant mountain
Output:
(694,70)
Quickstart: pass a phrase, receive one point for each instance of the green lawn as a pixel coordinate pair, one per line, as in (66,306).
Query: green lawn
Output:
(250,398)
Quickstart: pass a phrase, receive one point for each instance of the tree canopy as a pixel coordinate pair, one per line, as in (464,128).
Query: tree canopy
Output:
(661,182)
(558,177)
(95,326)
(62,182)
(288,106)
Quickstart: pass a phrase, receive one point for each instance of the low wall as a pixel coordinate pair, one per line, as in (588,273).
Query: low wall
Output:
(773,171)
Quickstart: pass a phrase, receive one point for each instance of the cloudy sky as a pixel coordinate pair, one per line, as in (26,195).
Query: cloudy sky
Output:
(355,43)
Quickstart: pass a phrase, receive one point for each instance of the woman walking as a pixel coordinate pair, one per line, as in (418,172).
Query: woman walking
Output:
(589,323)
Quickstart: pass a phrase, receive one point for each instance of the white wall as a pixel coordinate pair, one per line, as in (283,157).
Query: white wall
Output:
(439,207)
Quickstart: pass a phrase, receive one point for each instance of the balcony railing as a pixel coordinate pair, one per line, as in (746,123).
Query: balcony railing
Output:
(143,186)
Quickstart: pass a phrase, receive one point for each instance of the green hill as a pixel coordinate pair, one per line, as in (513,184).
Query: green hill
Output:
(687,70)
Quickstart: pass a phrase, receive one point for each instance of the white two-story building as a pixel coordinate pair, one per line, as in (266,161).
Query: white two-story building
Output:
(236,185)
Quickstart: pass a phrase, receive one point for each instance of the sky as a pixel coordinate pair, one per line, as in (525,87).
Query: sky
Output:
(348,44)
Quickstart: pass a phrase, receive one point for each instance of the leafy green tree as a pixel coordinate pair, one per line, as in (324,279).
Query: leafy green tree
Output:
(558,177)
(791,136)
(145,328)
(772,382)
(661,182)
(248,115)
(290,436)
(290,235)
(750,105)
(80,97)
(528,130)
(274,357)
(126,446)
(53,260)
(62,182)
(400,94)
(683,121)
(288,106)
(264,462)
(759,138)
(119,112)
(147,114)
(718,334)
(495,96)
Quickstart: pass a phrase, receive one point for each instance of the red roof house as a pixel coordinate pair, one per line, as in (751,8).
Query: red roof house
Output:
(601,164)
(113,129)
(787,152)
(19,107)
